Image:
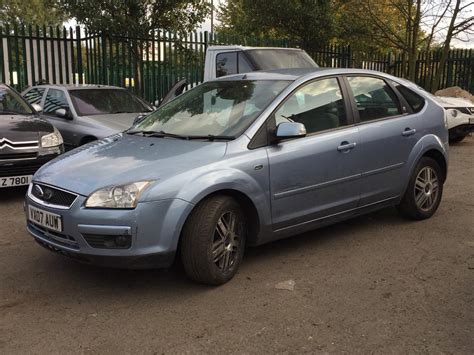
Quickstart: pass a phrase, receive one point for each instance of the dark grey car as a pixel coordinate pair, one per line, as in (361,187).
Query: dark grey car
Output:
(83,113)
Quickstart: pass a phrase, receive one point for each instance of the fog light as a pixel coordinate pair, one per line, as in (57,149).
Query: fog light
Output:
(108,241)
(122,241)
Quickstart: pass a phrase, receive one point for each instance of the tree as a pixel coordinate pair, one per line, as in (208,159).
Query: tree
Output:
(354,26)
(31,12)
(457,25)
(305,23)
(137,19)
(387,24)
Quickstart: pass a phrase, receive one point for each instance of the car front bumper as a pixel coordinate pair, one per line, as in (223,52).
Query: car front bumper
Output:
(24,166)
(153,228)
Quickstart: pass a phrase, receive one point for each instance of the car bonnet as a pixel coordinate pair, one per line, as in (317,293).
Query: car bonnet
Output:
(123,158)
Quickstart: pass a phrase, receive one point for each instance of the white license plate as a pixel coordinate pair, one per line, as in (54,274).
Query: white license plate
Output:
(15,180)
(45,219)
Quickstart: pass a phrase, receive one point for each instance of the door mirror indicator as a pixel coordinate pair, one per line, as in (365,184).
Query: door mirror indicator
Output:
(286,130)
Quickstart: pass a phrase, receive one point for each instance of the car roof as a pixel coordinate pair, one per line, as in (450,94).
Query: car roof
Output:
(300,73)
(77,86)
(246,48)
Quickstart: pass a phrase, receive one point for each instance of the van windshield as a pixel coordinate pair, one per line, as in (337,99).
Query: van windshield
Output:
(269,59)
(218,108)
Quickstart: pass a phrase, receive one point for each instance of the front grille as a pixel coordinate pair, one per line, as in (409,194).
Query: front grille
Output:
(4,142)
(108,241)
(17,170)
(17,156)
(55,237)
(53,196)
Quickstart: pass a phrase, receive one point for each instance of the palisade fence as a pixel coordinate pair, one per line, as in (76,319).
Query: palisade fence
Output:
(150,66)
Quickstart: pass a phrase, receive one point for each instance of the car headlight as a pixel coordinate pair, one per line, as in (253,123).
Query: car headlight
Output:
(120,196)
(52,140)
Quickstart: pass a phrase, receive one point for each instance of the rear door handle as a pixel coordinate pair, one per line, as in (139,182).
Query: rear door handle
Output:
(346,146)
(408,132)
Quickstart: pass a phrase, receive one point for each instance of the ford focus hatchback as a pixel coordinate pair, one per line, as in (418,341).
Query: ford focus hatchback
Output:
(243,160)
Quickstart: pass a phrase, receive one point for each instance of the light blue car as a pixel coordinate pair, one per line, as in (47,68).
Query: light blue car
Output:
(243,160)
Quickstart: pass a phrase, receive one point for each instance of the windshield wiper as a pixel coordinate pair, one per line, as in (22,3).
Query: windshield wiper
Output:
(212,137)
(161,134)
(158,134)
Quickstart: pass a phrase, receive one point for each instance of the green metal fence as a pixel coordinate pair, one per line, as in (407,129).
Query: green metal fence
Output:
(149,66)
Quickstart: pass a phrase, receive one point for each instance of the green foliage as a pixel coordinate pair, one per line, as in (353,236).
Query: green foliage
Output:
(137,17)
(31,12)
(305,23)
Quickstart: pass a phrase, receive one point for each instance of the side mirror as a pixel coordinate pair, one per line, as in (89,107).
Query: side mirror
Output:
(287,130)
(63,113)
(37,107)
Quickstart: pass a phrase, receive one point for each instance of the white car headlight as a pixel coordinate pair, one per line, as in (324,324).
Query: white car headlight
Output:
(120,196)
(52,140)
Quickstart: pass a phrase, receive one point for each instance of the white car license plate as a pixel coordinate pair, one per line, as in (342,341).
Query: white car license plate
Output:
(15,180)
(45,219)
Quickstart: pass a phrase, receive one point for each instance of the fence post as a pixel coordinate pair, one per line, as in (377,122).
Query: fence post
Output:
(2,62)
(103,43)
(349,56)
(206,41)
(79,55)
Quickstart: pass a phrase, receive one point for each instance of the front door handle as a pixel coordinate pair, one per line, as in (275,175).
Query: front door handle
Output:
(408,132)
(346,146)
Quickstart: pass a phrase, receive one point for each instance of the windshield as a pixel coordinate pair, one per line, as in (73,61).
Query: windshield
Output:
(12,103)
(89,102)
(219,108)
(268,59)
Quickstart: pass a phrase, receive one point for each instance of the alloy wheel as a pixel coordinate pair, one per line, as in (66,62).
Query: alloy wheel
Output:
(226,243)
(426,188)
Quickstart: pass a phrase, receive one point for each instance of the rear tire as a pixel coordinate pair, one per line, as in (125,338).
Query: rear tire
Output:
(456,137)
(424,191)
(213,240)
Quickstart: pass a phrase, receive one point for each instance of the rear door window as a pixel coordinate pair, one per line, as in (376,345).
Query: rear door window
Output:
(374,98)
(415,101)
(55,99)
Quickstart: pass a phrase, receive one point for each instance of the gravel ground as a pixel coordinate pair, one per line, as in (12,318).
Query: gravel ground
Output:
(375,284)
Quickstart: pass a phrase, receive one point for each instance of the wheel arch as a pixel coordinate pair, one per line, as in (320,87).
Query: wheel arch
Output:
(429,146)
(248,208)
(437,156)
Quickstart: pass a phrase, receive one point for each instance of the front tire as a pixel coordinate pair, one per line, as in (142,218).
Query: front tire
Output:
(424,191)
(213,240)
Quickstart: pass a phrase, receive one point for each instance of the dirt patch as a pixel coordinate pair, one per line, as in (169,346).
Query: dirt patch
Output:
(455,91)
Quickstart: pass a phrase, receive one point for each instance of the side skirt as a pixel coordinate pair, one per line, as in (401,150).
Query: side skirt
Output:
(327,220)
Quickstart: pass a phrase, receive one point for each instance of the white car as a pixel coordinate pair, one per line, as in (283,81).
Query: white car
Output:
(460,116)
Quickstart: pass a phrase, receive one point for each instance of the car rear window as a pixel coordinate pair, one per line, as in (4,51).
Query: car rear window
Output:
(415,101)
